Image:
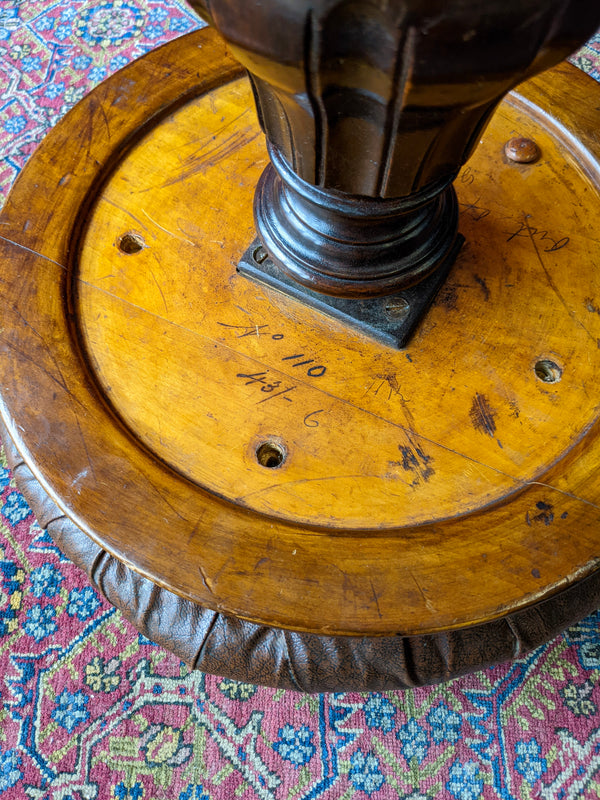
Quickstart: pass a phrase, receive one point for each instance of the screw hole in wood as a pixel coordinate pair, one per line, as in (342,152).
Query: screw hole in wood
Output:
(547,371)
(270,455)
(131,243)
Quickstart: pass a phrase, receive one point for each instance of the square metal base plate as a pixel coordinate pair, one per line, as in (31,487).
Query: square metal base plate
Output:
(391,320)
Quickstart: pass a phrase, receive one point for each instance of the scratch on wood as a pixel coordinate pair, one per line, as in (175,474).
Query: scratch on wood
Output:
(125,211)
(550,280)
(174,235)
(428,604)
(299,482)
(159,287)
(83,442)
(200,163)
(483,415)
(80,476)
(376,598)
(33,252)
(163,498)
(100,108)
(205,580)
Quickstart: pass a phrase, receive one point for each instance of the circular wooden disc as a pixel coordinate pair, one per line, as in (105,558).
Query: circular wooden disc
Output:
(260,458)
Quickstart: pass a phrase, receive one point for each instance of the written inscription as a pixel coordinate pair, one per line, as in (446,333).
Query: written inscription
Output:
(467,176)
(248,330)
(310,420)
(266,385)
(270,386)
(550,243)
(385,386)
(316,371)
(475,211)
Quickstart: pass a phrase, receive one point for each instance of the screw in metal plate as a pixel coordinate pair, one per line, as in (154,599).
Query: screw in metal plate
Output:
(396,308)
(260,254)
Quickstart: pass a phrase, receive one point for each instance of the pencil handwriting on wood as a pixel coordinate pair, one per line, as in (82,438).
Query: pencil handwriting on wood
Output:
(474,211)
(386,386)
(266,384)
(527,231)
(310,419)
(298,360)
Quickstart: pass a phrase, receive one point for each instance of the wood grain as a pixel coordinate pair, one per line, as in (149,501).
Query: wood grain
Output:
(421,490)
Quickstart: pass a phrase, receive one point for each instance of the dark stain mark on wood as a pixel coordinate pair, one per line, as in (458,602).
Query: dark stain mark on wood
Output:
(545,516)
(484,287)
(483,415)
(564,515)
(447,297)
(414,459)
(590,306)
(535,572)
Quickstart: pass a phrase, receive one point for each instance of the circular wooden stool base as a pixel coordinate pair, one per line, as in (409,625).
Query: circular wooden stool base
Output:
(248,455)
(224,645)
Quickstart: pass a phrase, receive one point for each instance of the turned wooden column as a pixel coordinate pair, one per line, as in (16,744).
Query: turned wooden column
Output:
(370,108)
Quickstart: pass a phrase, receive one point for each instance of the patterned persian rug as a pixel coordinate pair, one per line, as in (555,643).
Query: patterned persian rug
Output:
(90,709)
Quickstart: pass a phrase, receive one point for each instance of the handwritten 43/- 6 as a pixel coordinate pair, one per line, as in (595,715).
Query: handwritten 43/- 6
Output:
(268,385)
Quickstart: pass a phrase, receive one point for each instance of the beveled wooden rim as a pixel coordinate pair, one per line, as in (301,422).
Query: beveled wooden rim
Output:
(230,647)
(217,554)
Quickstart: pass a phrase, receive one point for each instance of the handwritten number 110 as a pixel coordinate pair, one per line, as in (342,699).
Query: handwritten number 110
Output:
(314,372)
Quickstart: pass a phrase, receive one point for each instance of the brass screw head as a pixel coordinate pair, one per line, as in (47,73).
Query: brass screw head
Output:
(522,150)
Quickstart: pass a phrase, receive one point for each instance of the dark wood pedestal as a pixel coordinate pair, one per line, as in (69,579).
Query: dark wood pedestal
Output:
(233,450)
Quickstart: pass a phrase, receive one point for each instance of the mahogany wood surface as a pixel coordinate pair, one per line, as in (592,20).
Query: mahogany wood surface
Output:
(420,490)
